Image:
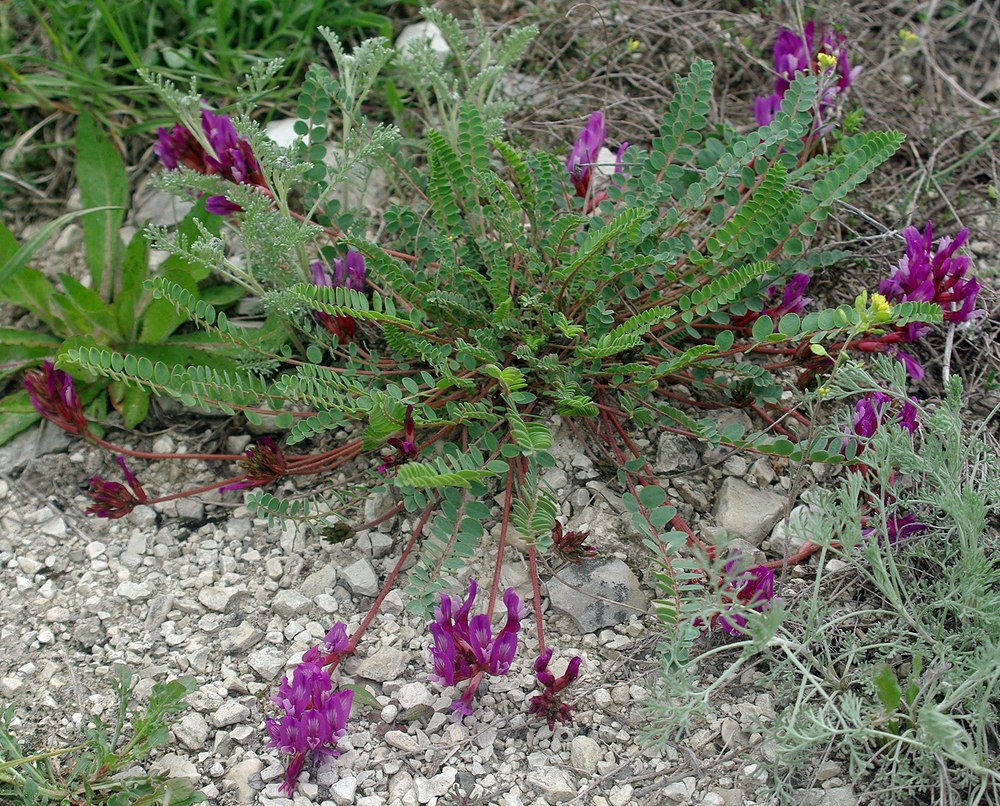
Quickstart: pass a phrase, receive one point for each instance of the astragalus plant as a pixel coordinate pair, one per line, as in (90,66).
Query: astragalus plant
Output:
(429,353)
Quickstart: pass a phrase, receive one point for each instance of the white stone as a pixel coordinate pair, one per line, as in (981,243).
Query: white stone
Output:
(402,741)
(133,591)
(230,712)
(621,795)
(422,31)
(435,787)
(746,512)
(344,790)
(386,663)
(680,791)
(192,731)
(268,662)
(584,754)
(217,599)
(552,783)
(413,694)
(360,577)
(283,132)
(177,766)
(290,603)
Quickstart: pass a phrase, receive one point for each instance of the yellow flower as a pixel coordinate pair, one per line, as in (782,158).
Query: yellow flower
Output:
(825,61)
(634,45)
(881,308)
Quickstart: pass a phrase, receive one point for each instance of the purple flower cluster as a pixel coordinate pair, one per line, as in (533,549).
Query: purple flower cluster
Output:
(873,410)
(793,299)
(794,53)
(53,395)
(870,413)
(466,649)
(348,272)
(265,462)
(113,499)
(937,275)
(549,705)
(229,157)
(315,714)
(754,588)
(585,154)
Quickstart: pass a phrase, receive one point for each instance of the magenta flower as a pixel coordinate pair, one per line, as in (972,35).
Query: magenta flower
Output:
(349,273)
(583,157)
(53,395)
(220,205)
(549,705)
(872,411)
(315,718)
(334,647)
(466,649)
(179,147)
(928,275)
(265,463)
(900,527)
(800,54)
(793,299)
(230,156)
(112,499)
(406,448)
(754,587)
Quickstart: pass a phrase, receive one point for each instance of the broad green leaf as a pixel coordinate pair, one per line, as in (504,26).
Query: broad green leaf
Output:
(887,687)
(23,348)
(16,414)
(32,290)
(131,402)
(101,176)
(161,318)
(96,314)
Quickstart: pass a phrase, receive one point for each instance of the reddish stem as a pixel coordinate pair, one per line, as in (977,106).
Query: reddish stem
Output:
(504,522)
(389,583)
(537,595)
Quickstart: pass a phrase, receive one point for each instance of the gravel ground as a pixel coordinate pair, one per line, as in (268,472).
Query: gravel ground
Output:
(200,588)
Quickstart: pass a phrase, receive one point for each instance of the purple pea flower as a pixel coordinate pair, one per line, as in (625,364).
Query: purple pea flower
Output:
(588,153)
(53,395)
(406,448)
(549,705)
(315,718)
(928,275)
(872,411)
(794,53)
(583,157)
(900,527)
(466,649)
(753,587)
(229,156)
(348,272)
(113,499)
(264,463)
(220,205)
(793,299)
(334,647)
